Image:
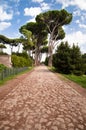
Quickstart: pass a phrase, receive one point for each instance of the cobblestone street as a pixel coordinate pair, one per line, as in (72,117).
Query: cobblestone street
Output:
(43,102)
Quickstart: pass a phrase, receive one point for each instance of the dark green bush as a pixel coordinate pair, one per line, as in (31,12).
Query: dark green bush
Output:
(68,59)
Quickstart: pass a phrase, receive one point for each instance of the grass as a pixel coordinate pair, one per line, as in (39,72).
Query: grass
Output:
(81,80)
(2,82)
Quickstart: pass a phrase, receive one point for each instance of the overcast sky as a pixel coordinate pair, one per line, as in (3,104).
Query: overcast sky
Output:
(15,13)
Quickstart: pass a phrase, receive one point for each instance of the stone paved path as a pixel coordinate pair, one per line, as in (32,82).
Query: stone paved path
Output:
(43,102)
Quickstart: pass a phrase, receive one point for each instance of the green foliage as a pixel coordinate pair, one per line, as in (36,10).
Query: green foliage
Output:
(23,54)
(2,46)
(21,60)
(84,62)
(78,79)
(54,17)
(76,58)
(12,73)
(38,37)
(54,20)
(61,60)
(12,42)
(2,67)
(68,59)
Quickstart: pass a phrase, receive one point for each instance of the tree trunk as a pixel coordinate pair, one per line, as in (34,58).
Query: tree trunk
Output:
(37,62)
(50,60)
(11,49)
(18,47)
(40,57)
(50,51)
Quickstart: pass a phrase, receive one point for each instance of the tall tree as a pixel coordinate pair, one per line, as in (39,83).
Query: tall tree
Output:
(84,62)
(39,36)
(62,59)
(2,46)
(54,20)
(76,59)
(9,41)
(68,59)
(27,40)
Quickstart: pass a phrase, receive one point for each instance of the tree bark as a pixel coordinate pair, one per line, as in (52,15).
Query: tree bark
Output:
(50,50)
(37,59)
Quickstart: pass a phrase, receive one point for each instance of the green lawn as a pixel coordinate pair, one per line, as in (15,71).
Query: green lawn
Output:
(81,80)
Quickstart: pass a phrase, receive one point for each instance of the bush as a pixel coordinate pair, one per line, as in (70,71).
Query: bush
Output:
(23,54)
(19,61)
(68,60)
(2,67)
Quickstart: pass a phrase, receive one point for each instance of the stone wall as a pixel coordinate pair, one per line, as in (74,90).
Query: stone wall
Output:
(6,60)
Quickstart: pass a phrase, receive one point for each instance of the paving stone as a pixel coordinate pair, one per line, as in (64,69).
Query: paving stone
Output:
(71,125)
(63,126)
(12,124)
(43,120)
(38,126)
(6,122)
(80,118)
(81,127)
(60,119)
(67,120)
(70,128)
(7,128)
(76,129)
(43,102)
(49,123)
(54,128)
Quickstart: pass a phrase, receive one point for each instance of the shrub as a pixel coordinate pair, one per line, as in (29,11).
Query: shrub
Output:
(2,67)
(19,61)
(68,59)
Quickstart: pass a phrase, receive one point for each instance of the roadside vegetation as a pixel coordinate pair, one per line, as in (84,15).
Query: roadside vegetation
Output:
(70,62)
(42,37)
(21,60)
(81,80)
(2,67)
(69,59)
(21,63)
(14,75)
